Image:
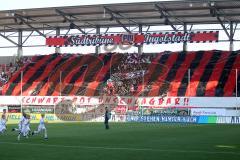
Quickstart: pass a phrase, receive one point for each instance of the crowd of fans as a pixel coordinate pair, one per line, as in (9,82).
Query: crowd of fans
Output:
(7,70)
(127,75)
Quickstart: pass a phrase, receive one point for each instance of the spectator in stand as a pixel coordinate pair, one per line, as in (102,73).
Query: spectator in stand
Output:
(3,77)
(110,86)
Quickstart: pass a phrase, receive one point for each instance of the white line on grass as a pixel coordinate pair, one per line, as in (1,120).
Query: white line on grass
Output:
(122,148)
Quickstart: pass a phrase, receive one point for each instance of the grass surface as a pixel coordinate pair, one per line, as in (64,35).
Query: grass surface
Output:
(125,141)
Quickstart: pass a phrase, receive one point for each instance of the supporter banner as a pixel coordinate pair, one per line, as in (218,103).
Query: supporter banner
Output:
(14,108)
(39,109)
(97,117)
(133,39)
(114,100)
(154,102)
(165,111)
(207,119)
(124,109)
(168,119)
(13,118)
(228,120)
(207,112)
(185,119)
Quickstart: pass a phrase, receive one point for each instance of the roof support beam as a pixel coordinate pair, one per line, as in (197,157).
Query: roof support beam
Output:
(191,27)
(106,30)
(119,22)
(27,37)
(140,47)
(224,28)
(97,48)
(120,15)
(20,42)
(214,12)
(164,15)
(148,29)
(65,16)
(29,25)
(231,37)
(67,32)
(116,19)
(235,28)
(8,39)
(78,28)
(58,32)
(185,43)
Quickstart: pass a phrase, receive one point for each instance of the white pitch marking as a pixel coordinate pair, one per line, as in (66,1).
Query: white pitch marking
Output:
(123,148)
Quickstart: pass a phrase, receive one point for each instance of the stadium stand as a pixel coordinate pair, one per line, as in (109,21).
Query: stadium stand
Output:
(10,65)
(201,73)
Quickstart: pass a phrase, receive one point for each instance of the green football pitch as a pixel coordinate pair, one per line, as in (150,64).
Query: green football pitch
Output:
(125,141)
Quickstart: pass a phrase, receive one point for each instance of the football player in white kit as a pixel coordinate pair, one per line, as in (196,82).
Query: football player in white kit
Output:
(41,127)
(3,122)
(20,124)
(25,129)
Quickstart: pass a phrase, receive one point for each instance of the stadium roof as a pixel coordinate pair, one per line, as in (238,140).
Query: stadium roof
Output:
(121,15)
